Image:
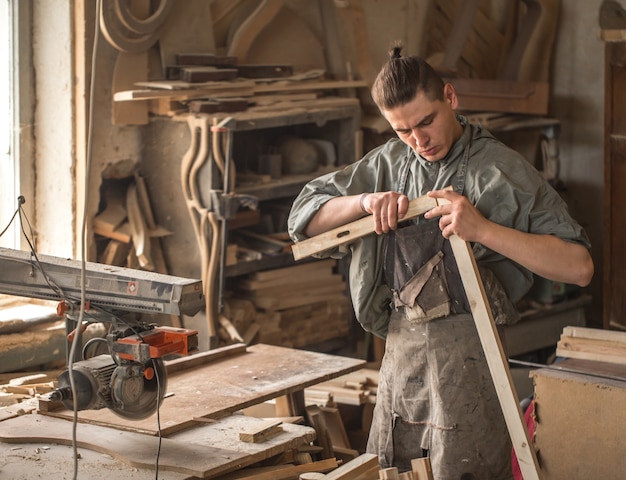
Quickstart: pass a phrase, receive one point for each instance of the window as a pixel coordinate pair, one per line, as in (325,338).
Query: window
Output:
(8,172)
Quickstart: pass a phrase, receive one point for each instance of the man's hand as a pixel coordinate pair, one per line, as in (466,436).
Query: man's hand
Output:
(386,208)
(457,216)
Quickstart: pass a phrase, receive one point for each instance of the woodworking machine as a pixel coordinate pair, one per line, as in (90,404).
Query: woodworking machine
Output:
(125,371)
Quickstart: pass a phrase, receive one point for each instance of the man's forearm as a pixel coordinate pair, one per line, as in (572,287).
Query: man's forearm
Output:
(334,213)
(545,255)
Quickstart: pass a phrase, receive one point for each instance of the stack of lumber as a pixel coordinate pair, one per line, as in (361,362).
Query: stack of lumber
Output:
(302,90)
(293,306)
(346,404)
(20,387)
(593,344)
(355,388)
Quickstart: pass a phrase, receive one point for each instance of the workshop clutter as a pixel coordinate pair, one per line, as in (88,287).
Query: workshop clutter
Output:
(293,306)
(126,230)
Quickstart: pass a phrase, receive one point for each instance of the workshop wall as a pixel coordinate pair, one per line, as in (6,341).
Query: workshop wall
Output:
(577,101)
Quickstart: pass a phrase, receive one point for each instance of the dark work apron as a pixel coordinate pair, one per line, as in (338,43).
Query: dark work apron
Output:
(435,394)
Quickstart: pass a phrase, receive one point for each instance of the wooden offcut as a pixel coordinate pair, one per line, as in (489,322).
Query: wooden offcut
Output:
(261,432)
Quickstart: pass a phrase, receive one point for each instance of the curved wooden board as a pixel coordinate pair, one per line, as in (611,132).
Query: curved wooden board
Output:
(134,449)
(252,26)
(207,451)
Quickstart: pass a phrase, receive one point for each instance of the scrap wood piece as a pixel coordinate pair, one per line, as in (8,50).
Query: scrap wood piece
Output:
(422,468)
(390,473)
(317,420)
(112,216)
(140,235)
(230,329)
(199,74)
(281,472)
(261,432)
(262,71)
(354,468)
(122,233)
(224,89)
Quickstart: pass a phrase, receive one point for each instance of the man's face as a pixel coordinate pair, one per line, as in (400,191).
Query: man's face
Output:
(430,128)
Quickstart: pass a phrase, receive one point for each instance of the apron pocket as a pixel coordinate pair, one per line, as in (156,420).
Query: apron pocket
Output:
(408,443)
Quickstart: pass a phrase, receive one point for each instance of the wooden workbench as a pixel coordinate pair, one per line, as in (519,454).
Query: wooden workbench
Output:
(208,386)
(223,381)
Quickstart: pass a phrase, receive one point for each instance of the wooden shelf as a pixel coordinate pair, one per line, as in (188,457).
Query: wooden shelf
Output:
(289,185)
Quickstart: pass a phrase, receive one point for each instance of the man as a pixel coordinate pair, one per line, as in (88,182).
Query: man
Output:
(435,394)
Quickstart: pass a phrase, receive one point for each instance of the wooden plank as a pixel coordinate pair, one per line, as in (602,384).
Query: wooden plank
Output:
(595,334)
(261,432)
(354,468)
(354,230)
(232,383)
(293,271)
(422,469)
(204,358)
(592,349)
(502,95)
(496,359)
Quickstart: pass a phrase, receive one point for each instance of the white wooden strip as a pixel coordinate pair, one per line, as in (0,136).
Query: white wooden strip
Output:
(496,360)
(353,230)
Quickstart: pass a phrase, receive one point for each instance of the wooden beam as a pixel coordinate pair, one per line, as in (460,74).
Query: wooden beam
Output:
(354,230)
(496,359)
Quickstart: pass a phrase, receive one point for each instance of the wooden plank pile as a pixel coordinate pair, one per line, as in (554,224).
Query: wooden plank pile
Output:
(292,306)
(128,225)
(593,344)
(356,388)
(578,402)
(200,85)
(20,387)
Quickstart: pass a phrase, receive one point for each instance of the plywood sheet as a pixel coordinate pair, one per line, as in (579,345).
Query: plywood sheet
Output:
(206,451)
(226,385)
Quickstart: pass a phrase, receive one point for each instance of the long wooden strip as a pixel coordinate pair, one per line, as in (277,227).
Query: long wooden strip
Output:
(353,230)
(496,360)
(591,349)
(595,334)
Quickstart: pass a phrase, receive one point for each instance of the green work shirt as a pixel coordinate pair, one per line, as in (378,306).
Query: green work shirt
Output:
(499,182)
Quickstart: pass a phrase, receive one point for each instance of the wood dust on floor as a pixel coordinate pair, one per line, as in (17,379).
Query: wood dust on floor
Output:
(30,461)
